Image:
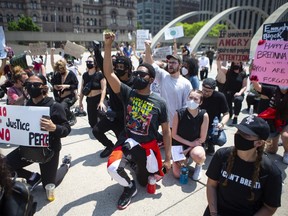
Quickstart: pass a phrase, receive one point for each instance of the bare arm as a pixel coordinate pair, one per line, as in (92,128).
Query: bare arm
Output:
(167,144)
(111,77)
(211,193)
(3,64)
(52,58)
(221,68)
(224,120)
(174,47)
(266,210)
(81,96)
(103,95)
(257,86)
(148,53)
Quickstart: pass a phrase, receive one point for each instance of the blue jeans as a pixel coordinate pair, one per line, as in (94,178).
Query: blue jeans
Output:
(219,140)
(194,82)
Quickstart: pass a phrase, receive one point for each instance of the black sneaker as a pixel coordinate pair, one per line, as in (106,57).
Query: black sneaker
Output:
(35,181)
(126,196)
(106,152)
(66,160)
(210,149)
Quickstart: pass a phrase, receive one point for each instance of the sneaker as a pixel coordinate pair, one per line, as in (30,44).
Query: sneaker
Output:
(197,173)
(285,158)
(34,180)
(106,152)
(126,196)
(210,150)
(235,120)
(66,160)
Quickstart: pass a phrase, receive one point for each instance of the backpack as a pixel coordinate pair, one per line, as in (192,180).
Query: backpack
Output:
(19,202)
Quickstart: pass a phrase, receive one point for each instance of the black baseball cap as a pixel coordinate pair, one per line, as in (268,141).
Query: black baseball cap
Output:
(150,68)
(255,126)
(123,60)
(209,83)
(175,57)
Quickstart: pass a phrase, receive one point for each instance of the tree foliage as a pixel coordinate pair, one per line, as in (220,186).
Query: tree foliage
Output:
(24,23)
(190,30)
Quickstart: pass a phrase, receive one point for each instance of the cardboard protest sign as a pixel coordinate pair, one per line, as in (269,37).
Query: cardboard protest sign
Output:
(270,63)
(275,31)
(174,32)
(20,125)
(38,48)
(19,60)
(161,52)
(3,53)
(142,35)
(74,49)
(234,45)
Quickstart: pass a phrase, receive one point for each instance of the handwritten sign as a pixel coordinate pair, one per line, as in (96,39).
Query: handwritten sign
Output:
(234,45)
(3,53)
(161,52)
(174,32)
(74,49)
(19,129)
(270,63)
(142,35)
(38,48)
(275,31)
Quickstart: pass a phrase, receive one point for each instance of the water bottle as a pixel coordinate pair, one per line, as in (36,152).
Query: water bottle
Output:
(151,186)
(215,126)
(251,111)
(184,175)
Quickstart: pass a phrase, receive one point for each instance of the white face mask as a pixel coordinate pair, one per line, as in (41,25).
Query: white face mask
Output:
(184,71)
(191,104)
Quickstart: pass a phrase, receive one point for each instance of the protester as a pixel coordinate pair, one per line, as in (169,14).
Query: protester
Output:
(210,55)
(241,179)
(215,104)
(65,85)
(94,83)
(145,111)
(203,66)
(190,71)
(58,127)
(39,67)
(186,120)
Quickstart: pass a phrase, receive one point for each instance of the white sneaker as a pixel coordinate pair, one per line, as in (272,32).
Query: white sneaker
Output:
(197,172)
(285,158)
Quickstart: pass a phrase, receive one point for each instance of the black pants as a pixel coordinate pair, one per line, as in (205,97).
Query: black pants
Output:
(67,103)
(105,125)
(93,113)
(204,73)
(221,86)
(252,100)
(237,100)
(49,173)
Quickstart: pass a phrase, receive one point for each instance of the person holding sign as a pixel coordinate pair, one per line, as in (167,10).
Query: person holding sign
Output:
(191,118)
(241,179)
(58,127)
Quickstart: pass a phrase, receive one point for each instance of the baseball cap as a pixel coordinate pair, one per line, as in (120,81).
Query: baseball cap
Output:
(175,57)
(150,68)
(123,60)
(255,126)
(209,83)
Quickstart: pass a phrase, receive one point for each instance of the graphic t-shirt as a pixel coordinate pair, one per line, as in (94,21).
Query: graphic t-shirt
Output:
(233,198)
(144,114)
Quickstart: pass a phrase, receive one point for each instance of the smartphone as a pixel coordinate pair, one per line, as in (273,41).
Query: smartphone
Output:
(46,116)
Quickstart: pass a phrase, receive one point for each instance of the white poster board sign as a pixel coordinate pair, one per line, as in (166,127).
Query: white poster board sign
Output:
(74,49)
(20,125)
(142,35)
(161,52)
(3,53)
(174,32)
(38,48)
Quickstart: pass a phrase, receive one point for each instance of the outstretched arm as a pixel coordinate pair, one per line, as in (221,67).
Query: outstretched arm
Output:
(148,53)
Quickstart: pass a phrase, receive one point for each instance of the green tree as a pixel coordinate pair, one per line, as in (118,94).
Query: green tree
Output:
(190,30)
(23,24)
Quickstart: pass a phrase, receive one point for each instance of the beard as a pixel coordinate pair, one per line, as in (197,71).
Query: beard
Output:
(172,70)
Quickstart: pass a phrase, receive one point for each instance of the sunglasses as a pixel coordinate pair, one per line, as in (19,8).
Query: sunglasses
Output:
(89,62)
(33,84)
(140,73)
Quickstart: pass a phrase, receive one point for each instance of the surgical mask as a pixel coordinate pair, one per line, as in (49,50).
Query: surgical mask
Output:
(34,91)
(89,66)
(184,71)
(140,83)
(120,72)
(191,104)
(242,144)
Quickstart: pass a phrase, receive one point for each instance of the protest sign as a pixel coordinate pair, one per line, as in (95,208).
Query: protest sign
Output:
(3,53)
(74,49)
(174,32)
(20,125)
(270,63)
(161,52)
(142,35)
(38,48)
(234,45)
(19,60)
(275,31)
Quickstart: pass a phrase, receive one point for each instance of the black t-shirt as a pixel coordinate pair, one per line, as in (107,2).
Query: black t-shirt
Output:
(234,80)
(95,78)
(71,80)
(188,123)
(144,114)
(233,198)
(215,105)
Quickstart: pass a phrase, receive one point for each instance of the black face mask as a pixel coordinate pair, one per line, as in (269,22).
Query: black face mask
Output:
(120,72)
(89,66)
(33,91)
(236,67)
(242,144)
(140,83)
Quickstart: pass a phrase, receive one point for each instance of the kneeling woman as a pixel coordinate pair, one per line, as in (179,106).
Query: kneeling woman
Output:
(189,129)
